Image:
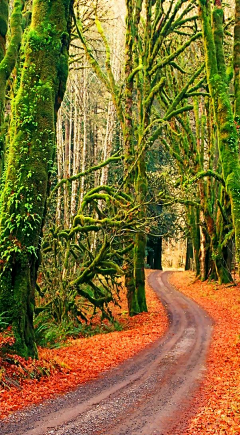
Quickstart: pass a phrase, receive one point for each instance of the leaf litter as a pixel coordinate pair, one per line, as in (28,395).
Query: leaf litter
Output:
(24,383)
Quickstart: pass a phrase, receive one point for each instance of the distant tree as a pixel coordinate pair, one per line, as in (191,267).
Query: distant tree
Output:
(150,27)
(161,221)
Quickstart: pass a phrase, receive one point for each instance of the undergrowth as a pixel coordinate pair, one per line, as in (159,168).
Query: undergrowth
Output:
(51,334)
(3,321)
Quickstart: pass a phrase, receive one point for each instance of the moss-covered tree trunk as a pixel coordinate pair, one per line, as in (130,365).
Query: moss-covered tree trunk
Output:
(128,136)
(31,154)
(140,239)
(236,63)
(8,59)
(3,26)
(193,222)
(135,176)
(227,133)
(204,248)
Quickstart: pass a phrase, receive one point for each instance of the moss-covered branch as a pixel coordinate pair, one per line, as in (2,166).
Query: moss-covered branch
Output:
(97,302)
(228,237)
(134,72)
(198,85)
(169,201)
(114,158)
(177,112)
(81,278)
(208,173)
(93,62)
(159,65)
(183,91)
(169,23)
(148,101)
(68,234)
(223,212)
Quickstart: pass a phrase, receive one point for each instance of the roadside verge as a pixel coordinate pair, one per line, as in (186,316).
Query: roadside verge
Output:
(218,402)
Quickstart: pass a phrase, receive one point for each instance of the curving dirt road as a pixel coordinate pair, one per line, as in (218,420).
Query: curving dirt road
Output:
(149,394)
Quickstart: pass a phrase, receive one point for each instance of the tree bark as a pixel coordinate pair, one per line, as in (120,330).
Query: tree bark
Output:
(31,154)
(4,11)
(193,222)
(8,60)
(227,133)
(236,63)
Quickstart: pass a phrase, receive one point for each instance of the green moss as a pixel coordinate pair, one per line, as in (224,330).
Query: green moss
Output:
(7,63)
(30,159)
(236,60)
(139,257)
(133,306)
(3,26)
(193,223)
(227,133)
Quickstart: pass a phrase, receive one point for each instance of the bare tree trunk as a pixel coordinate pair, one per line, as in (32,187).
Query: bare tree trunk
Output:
(76,155)
(107,146)
(66,174)
(84,148)
(59,165)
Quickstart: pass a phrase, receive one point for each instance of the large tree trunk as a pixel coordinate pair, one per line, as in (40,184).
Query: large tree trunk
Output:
(3,27)
(8,60)
(227,133)
(31,153)
(128,135)
(236,63)
(140,238)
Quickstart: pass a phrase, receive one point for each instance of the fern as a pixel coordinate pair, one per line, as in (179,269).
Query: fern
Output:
(3,321)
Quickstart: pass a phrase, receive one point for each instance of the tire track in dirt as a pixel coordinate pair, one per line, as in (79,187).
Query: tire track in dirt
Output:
(149,394)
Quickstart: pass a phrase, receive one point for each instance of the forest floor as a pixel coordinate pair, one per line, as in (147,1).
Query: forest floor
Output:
(23,383)
(217,405)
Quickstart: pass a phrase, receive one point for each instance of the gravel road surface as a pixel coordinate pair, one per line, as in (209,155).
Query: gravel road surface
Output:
(149,394)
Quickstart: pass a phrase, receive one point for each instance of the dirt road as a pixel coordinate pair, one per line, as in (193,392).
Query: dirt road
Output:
(149,394)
